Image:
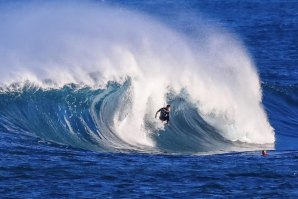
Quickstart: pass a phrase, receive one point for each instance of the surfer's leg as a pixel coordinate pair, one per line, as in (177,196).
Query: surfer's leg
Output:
(167,119)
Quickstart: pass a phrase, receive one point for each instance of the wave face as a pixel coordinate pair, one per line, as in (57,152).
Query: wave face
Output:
(281,102)
(92,77)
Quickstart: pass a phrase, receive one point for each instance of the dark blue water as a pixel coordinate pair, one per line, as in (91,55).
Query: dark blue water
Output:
(33,169)
(53,163)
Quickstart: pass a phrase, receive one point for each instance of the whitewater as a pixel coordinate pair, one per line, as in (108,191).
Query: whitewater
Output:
(92,77)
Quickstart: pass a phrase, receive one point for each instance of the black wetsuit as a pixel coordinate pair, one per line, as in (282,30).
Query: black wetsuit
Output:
(164,114)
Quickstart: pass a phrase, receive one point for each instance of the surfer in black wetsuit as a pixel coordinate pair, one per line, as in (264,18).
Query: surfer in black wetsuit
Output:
(164,114)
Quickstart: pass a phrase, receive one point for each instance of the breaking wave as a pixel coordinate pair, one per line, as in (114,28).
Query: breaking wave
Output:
(92,77)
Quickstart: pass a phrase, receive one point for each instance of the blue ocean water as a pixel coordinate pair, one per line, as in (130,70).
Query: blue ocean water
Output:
(67,142)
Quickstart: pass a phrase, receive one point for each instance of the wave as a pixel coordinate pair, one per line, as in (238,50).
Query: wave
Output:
(281,101)
(95,120)
(95,81)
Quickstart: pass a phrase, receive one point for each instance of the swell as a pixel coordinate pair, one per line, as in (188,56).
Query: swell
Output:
(58,115)
(86,118)
(77,116)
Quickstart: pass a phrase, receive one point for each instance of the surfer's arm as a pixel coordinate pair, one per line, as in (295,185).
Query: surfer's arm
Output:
(157,112)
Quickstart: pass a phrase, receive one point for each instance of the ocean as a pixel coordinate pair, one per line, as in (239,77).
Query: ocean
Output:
(81,81)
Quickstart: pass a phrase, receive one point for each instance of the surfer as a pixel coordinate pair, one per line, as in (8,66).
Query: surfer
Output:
(264,153)
(164,114)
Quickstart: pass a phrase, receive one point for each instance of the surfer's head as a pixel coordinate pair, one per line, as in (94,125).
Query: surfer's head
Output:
(168,106)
